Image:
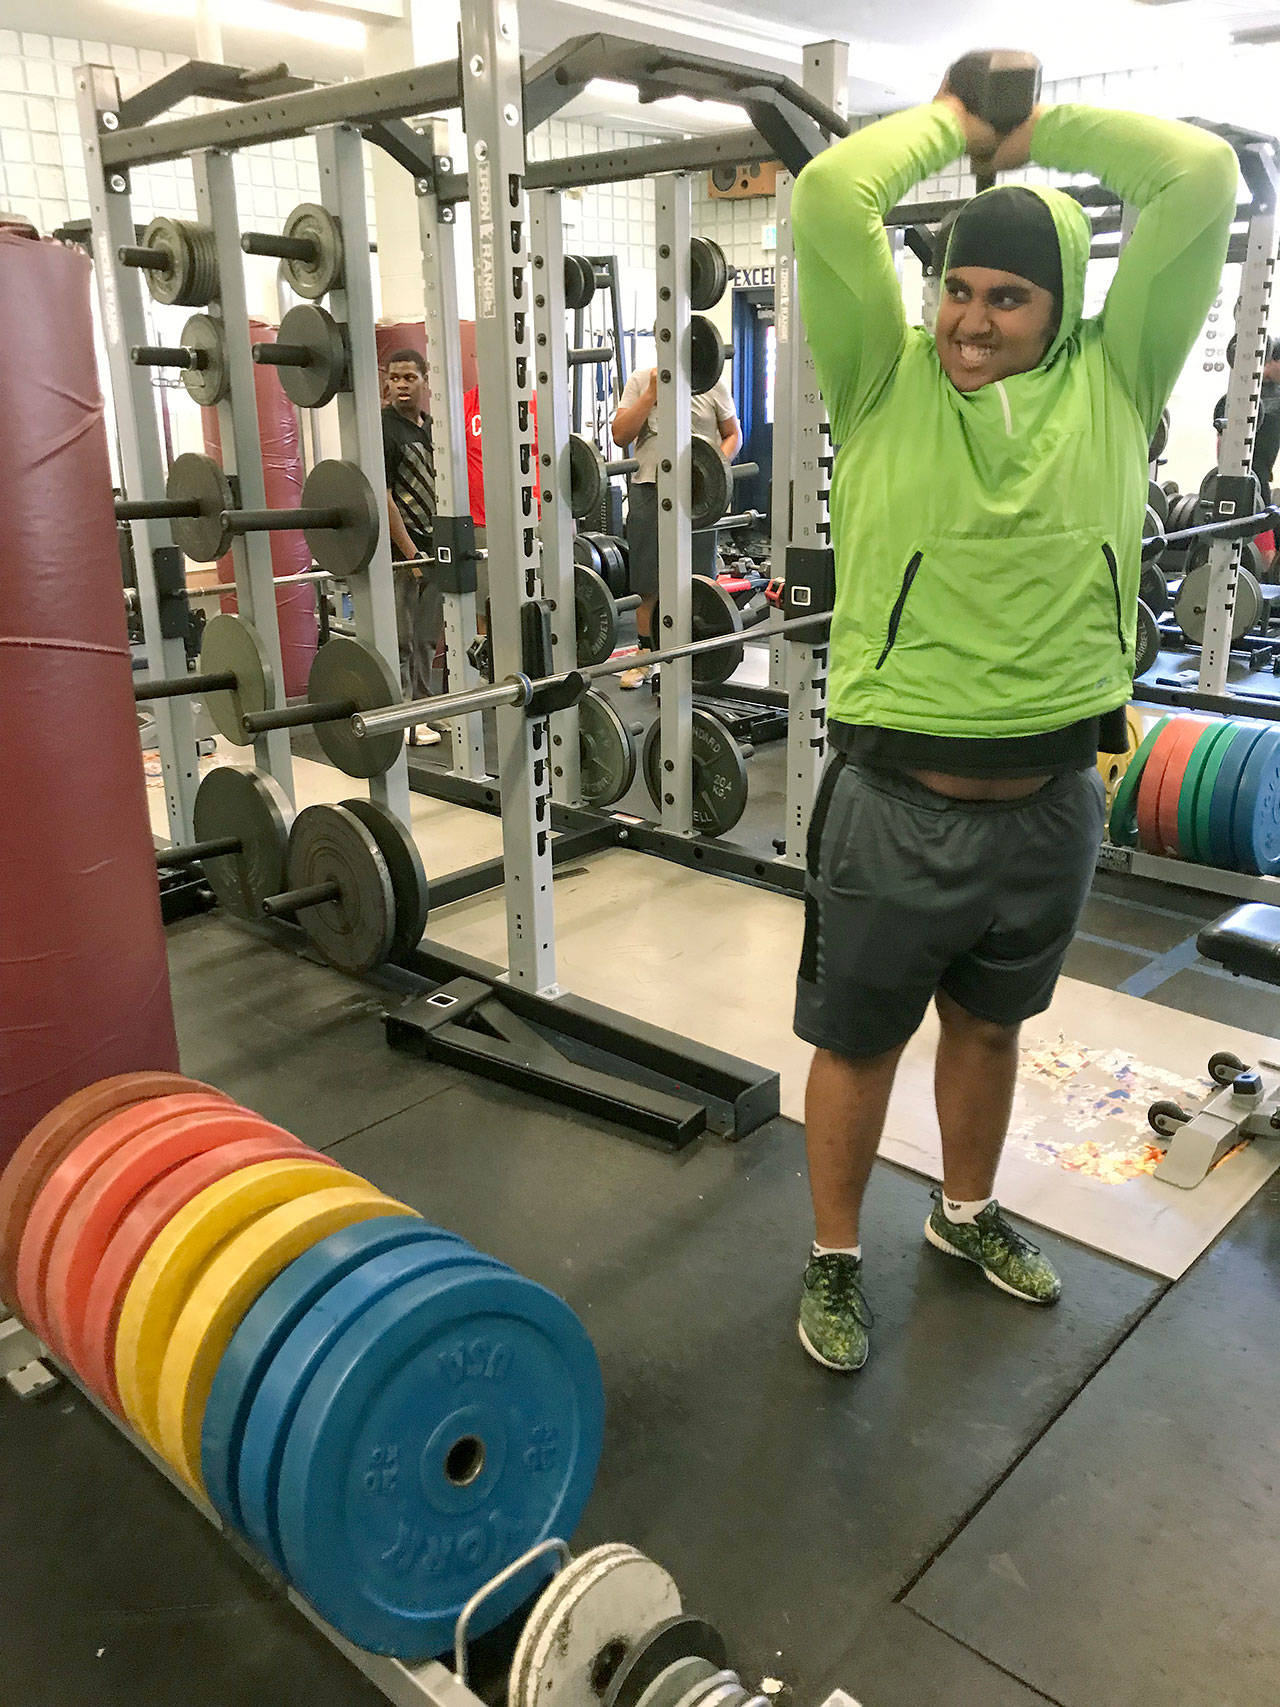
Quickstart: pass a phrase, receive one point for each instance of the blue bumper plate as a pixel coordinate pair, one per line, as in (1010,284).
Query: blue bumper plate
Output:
(454,1424)
(268,1324)
(285,1378)
(1222,810)
(1256,825)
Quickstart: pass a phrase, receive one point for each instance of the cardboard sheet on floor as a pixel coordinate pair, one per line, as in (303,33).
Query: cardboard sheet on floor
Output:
(716,961)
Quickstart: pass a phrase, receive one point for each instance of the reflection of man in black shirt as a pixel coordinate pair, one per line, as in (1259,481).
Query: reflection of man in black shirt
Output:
(1266,438)
(411,507)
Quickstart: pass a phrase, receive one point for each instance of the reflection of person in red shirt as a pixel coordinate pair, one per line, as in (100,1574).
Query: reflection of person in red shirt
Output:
(475,457)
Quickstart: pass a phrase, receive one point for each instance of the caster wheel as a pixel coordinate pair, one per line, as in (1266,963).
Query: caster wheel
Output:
(1224,1066)
(1164,1118)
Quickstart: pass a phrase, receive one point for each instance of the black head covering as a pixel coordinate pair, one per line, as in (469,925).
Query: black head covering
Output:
(1011,230)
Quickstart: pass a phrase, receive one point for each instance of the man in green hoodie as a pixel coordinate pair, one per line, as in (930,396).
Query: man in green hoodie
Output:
(986,507)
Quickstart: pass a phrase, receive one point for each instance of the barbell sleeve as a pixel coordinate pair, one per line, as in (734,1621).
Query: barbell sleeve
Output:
(294,900)
(297,716)
(282,248)
(167,355)
(185,854)
(629,601)
(277,521)
(741,470)
(147,260)
(174,687)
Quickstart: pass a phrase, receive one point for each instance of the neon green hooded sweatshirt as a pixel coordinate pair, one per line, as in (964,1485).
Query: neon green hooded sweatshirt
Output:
(988,543)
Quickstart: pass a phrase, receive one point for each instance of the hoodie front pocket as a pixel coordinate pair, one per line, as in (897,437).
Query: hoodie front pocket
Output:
(1114,569)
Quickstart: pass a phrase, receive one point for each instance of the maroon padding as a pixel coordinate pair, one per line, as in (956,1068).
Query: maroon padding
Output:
(84,983)
(282,474)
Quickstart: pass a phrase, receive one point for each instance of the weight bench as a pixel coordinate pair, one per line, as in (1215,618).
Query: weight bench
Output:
(1247,1103)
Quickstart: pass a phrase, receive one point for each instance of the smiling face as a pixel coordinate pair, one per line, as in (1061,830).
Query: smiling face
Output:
(991,325)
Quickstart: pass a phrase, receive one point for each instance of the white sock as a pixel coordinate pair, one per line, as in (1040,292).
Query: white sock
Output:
(836,1250)
(959,1212)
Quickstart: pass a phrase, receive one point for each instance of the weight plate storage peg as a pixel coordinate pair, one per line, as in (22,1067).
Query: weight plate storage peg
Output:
(180,261)
(310,247)
(180,1254)
(338,517)
(146,1219)
(282,1382)
(455,1424)
(216,1305)
(201,359)
(250,807)
(311,354)
(606,752)
(719,774)
(583,1625)
(409,885)
(353,925)
(267,1324)
(1190,607)
(54,1137)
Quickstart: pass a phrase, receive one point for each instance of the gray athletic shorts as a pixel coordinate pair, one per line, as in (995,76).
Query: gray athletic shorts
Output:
(909,892)
(642,541)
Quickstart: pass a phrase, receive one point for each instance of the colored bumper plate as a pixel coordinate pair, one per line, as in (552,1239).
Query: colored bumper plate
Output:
(1123,823)
(1256,825)
(241,1270)
(265,1328)
(455,1424)
(1226,787)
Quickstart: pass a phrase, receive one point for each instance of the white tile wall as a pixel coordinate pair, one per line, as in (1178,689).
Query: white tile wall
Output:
(41,173)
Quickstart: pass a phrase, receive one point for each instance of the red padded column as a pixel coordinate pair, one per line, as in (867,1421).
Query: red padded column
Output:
(282,472)
(84,982)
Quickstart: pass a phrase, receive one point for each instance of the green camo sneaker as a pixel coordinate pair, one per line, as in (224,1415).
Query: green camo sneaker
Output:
(1008,1260)
(834,1317)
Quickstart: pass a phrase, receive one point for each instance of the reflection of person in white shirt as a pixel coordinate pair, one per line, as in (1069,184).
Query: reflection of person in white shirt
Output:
(713,417)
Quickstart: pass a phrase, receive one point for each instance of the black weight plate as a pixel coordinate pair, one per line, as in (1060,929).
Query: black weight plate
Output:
(1160,439)
(706,354)
(579,281)
(346,549)
(1153,589)
(1191,605)
(232,646)
(198,479)
(316,225)
(608,563)
(208,384)
(1251,558)
(719,774)
(708,272)
(404,865)
(606,751)
(714,612)
(595,617)
(586,551)
(328,844)
(1147,641)
(587,478)
(343,669)
(252,807)
(328,370)
(1158,500)
(645,1661)
(711,483)
(191,276)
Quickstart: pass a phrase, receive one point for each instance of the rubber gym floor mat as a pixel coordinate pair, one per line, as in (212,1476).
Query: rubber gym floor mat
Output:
(716,960)
(1146,1517)
(900,1660)
(243,1008)
(789,1503)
